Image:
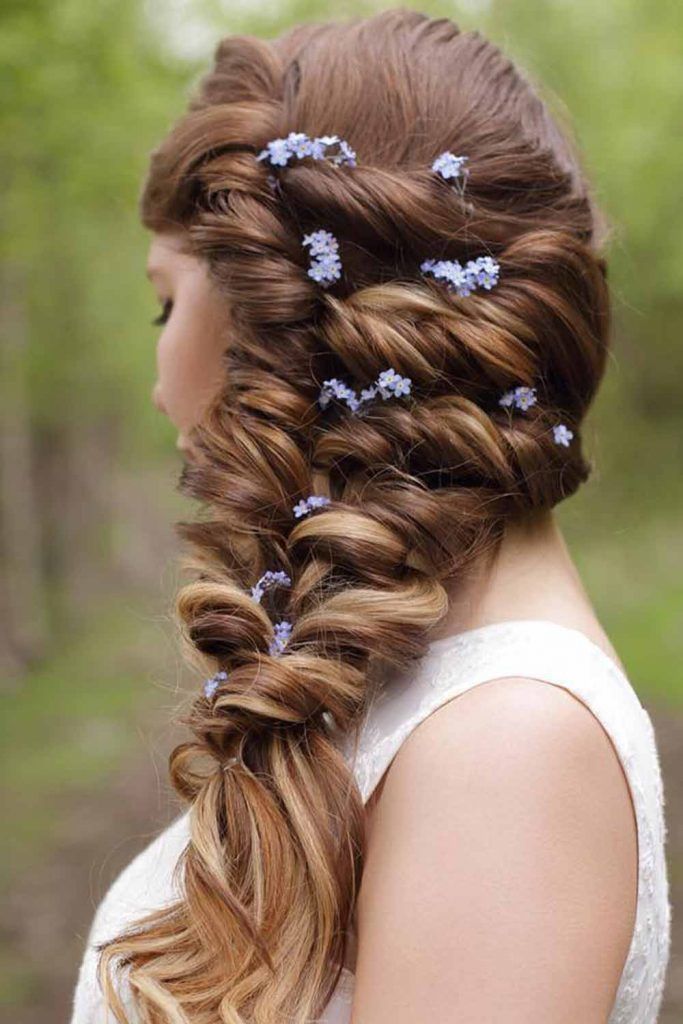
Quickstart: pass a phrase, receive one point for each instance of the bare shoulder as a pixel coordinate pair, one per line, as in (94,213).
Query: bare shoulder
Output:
(539,725)
(502,860)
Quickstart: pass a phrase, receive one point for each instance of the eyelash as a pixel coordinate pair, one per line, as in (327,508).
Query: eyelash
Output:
(165,313)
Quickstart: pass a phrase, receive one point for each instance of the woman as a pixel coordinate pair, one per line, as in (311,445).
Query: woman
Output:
(385,314)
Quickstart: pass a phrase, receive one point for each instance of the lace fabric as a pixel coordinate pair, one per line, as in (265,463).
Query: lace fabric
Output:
(533,649)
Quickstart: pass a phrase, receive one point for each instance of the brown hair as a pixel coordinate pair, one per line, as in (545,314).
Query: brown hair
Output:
(418,488)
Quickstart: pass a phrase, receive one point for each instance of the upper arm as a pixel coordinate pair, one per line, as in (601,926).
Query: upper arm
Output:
(501,870)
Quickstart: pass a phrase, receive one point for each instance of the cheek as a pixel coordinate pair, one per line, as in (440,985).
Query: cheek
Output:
(189,364)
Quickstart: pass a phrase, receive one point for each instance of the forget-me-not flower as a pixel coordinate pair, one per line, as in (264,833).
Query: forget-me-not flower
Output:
(306,505)
(282,631)
(562,434)
(450,166)
(270,579)
(521,397)
(212,684)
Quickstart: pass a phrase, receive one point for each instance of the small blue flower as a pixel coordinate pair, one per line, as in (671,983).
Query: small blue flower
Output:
(450,166)
(334,388)
(525,398)
(321,242)
(319,145)
(402,387)
(212,684)
(269,580)
(521,397)
(277,151)
(390,383)
(324,272)
(346,155)
(450,271)
(388,378)
(282,632)
(562,435)
(306,505)
(325,266)
(327,392)
(318,500)
(484,271)
(300,145)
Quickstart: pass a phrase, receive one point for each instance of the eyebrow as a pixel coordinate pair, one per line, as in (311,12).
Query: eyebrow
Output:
(152,271)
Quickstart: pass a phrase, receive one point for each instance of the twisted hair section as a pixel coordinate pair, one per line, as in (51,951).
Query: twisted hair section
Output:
(419,488)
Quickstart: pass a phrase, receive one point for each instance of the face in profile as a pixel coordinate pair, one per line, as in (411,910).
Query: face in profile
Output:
(193,334)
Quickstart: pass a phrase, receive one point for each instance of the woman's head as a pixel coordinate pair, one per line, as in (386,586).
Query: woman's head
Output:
(418,487)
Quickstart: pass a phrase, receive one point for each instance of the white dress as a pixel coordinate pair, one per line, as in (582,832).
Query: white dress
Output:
(534,649)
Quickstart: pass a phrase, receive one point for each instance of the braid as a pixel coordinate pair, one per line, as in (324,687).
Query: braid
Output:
(418,488)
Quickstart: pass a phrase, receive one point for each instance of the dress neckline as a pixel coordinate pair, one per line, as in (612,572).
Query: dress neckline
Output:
(460,640)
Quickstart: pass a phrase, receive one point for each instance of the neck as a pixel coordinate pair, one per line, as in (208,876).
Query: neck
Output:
(531,575)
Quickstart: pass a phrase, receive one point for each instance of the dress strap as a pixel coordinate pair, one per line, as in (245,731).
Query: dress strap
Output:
(533,649)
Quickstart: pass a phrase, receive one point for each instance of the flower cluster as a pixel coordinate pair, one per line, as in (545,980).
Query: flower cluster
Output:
(325,266)
(279,152)
(520,398)
(451,167)
(335,388)
(306,505)
(389,384)
(269,580)
(479,273)
(523,397)
(212,684)
(282,631)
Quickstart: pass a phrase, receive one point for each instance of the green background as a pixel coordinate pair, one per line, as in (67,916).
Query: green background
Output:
(91,672)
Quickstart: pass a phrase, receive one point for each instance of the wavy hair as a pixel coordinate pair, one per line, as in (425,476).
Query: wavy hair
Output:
(419,489)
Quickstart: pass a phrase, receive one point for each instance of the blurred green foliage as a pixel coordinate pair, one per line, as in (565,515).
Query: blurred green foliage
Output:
(88,88)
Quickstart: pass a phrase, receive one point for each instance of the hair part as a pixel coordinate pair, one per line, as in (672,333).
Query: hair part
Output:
(418,490)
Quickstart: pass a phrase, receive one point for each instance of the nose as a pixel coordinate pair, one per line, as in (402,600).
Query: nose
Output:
(157,399)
